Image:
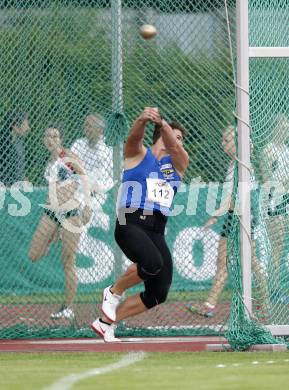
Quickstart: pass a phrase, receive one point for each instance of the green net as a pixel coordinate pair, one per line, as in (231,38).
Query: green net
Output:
(269,175)
(270,132)
(76,74)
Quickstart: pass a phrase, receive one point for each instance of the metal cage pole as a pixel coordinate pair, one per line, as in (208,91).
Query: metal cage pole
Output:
(244,148)
(117,104)
(117,71)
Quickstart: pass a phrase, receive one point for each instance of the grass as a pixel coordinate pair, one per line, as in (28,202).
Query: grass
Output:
(183,371)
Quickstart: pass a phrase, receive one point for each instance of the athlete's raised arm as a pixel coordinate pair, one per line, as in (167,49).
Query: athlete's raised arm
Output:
(134,145)
(173,140)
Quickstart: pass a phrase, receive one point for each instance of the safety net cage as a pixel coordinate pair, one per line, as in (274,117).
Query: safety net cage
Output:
(74,75)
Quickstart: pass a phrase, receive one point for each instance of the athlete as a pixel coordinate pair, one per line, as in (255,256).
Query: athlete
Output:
(62,216)
(151,178)
(207,308)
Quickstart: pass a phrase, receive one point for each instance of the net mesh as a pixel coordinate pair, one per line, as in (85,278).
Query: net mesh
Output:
(78,73)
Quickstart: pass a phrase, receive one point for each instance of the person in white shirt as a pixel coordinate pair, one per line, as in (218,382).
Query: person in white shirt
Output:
(96,156)
(207,308)
(97,159)
(275,175)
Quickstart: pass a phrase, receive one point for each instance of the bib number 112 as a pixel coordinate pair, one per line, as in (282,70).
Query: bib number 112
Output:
(159,191)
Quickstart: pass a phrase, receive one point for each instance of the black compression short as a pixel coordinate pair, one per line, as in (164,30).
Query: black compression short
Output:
(142,240)
(59,217)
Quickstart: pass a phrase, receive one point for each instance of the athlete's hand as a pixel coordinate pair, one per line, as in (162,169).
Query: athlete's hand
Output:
(150,114)
(156,117)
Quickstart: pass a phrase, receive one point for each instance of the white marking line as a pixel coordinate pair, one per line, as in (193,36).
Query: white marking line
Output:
(68,381)
(254,362)
(130,339)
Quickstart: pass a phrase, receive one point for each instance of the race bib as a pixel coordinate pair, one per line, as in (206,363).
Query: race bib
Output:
(159,191)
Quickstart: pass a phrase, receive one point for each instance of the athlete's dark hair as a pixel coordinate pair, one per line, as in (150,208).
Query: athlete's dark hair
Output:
(174,125)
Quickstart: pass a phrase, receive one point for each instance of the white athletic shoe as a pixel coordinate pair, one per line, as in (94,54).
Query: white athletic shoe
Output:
(64,312)
(110,303)
(105,331)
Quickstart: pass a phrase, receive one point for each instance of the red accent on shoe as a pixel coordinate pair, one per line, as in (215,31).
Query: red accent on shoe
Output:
(96,331)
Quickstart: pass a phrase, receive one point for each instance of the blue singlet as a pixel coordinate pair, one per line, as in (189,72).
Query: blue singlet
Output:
(134,189)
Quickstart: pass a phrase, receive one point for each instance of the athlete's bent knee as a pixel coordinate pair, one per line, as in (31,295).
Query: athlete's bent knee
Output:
(151,300)
(149,270)
(162,296)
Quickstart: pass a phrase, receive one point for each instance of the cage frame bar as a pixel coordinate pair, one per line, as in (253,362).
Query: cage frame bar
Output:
(268,52)
(244,176)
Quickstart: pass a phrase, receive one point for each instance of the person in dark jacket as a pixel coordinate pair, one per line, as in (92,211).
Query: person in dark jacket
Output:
(13,130)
